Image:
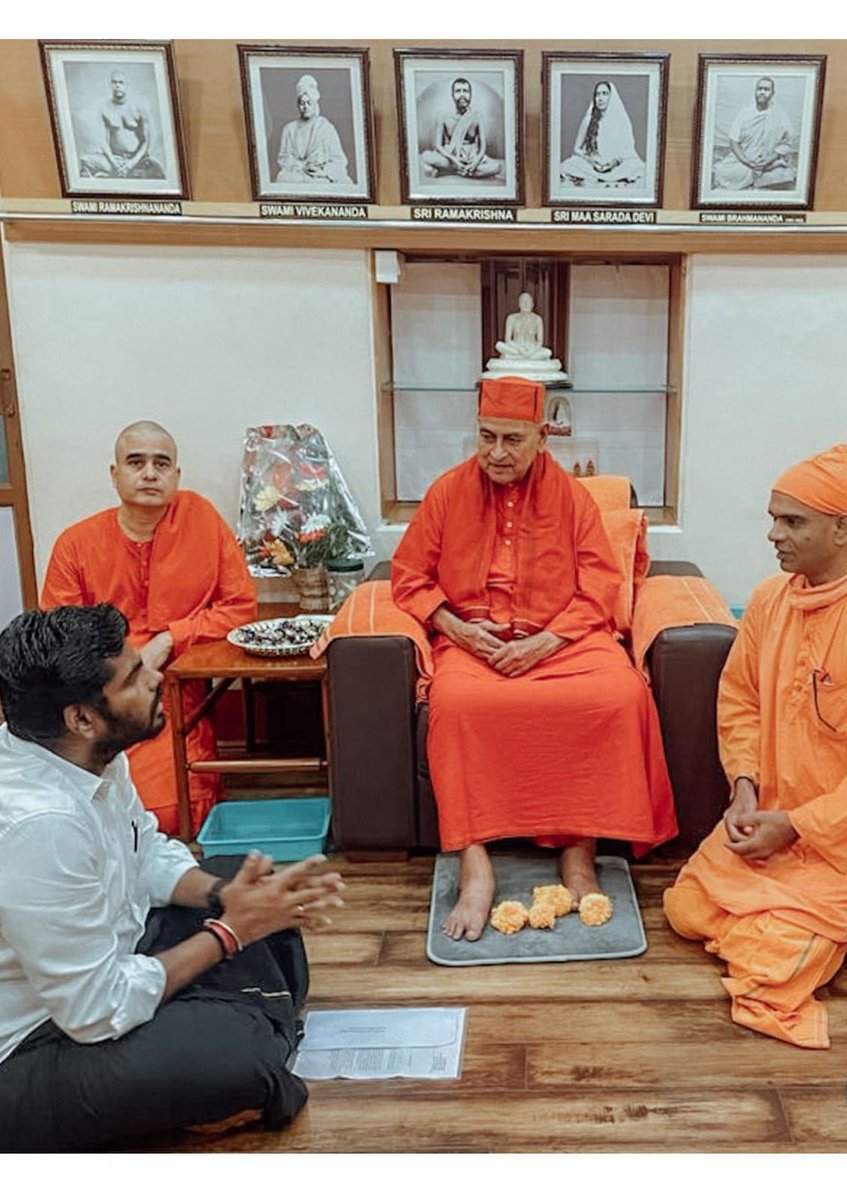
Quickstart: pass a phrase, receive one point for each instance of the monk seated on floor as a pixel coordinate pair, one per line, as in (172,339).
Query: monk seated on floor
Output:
(767,889)
(539,725)
(172,565)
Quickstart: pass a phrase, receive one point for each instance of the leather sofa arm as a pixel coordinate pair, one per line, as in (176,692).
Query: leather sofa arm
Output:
(685,665)
(371,743)
(673,566)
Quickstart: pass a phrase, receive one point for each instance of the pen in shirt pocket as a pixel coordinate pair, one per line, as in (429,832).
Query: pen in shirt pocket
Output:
(134,836)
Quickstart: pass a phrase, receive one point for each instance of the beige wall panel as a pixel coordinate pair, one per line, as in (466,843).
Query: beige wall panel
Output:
(213,120)
(210,91)
(27,158)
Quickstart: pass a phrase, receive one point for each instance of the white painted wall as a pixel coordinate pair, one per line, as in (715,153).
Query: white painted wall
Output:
(209,341)
(206,341)
(764,387)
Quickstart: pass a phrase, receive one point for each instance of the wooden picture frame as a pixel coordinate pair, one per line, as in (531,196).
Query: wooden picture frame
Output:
(461,125)
(604,118)
(757,130)
(309,122)
(114,111)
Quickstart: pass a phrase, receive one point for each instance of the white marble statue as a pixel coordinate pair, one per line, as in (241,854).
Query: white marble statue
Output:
(524,334)
(522,351)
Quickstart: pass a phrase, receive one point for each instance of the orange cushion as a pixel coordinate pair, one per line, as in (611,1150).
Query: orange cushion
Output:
(607,491)
(670,601)
(626,529)
(370,611)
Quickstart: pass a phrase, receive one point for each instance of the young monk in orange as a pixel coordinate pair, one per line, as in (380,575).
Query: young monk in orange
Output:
(767,890)
(171,564)
(539,726)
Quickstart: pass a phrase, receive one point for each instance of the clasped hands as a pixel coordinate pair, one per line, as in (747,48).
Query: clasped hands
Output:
(483,639)
(259,901)
(754,832)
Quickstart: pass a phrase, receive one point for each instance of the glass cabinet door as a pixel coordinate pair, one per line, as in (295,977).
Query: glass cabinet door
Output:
(610,325)
(11,592)
(4,454)
(17,567)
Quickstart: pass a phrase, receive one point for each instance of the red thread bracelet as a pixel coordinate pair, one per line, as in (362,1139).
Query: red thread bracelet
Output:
(227,937)
(219,940)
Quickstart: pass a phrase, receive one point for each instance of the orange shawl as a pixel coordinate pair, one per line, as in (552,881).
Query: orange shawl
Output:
(547,566)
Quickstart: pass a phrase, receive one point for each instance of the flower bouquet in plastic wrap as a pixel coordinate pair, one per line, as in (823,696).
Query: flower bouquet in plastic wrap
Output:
(297,512)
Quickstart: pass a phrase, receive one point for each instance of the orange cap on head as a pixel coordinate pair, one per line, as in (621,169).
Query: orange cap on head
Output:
(819,481)
(512,399)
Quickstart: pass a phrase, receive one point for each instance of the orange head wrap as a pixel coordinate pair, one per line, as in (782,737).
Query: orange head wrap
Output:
(512,399)
(819,481)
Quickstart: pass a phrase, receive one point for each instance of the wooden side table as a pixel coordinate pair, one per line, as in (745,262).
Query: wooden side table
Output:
(225,663)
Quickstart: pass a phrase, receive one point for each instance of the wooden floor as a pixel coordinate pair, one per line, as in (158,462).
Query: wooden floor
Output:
(633,1055)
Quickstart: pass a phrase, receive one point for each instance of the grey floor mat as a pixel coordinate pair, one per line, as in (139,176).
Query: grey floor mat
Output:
(517,874)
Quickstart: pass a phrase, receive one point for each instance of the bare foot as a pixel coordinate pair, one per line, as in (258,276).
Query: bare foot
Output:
(476,891)
(577,868)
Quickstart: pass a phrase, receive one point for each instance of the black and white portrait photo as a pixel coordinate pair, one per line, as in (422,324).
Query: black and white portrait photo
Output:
(115,118)
(757,131)
(308,122)
(604,122)
(461,120)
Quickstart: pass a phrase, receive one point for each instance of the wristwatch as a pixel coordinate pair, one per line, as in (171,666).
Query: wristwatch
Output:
(213,900)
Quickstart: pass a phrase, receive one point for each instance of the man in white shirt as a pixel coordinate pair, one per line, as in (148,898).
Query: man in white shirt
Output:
(138,993)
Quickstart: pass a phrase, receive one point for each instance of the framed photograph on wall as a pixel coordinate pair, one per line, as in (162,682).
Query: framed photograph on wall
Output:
(461,125)
(756,130)
(115,116)
(604,128)
(308,119)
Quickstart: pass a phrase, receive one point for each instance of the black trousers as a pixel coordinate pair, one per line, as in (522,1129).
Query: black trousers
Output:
(217,1047)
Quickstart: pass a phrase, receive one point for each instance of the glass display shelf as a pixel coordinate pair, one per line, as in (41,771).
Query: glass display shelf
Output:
(575,390)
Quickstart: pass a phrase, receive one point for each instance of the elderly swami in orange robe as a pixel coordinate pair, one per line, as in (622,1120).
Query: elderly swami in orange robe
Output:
(169,562)
(767,890)
(539,725)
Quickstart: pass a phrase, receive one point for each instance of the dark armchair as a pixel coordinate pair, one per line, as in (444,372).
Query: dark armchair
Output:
(382,798)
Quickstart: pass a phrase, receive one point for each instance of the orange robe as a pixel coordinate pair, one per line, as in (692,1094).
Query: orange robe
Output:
(572,748)
(191,580)
(780,923)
